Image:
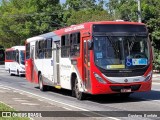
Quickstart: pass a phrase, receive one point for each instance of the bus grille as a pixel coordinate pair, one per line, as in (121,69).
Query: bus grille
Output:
(118,88)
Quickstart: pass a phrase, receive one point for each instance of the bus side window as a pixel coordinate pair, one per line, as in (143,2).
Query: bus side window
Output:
(36,50)
(75,45)
(48,48)
(41,49)
(28,51)
(65,46)
(14,55)
(17,56)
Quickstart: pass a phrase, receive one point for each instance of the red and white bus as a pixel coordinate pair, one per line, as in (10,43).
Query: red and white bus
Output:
(15,60)
(106,57)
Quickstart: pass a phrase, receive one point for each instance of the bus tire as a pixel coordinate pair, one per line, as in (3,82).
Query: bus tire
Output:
(10,73)
(73,91)
(18,73)
(78,94)
(42,87)
(73,78)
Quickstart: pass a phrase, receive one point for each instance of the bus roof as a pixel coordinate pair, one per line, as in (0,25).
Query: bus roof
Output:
(16,48)
(41,37)
(87,25)
(76,28)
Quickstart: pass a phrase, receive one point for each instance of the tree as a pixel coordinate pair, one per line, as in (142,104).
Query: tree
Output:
(77,5)
(88,16)
(21,19)
(79,11)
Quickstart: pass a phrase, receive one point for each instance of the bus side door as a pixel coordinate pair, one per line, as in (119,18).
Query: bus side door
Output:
(86,65)
(29,63)
(56,68)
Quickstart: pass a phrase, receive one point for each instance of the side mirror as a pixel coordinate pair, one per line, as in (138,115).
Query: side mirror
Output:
(90,44)
(150,37)
(152,45)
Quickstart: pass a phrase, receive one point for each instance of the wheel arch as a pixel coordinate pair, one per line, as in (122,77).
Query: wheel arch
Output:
(39,72)
(73,78)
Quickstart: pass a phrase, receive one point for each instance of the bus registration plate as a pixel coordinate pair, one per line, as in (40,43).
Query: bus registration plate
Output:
(125,90)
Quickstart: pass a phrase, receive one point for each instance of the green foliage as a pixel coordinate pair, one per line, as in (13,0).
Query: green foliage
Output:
(79,4)
(4,107)
(86,16)
(156,63)
(21,19)
(79,11)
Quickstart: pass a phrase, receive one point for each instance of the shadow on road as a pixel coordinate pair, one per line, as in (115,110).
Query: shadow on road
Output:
(104,99)
(134,97)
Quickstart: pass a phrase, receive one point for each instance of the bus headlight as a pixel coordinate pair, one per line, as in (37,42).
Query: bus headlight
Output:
(148,77)
(99,78)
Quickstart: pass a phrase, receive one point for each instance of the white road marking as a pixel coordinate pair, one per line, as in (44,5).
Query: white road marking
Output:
(4,88)
(21,100)
(29,104)
(16,98)
(113,118)
(66,108)
(58,102)
(15,91)
(38,99)
(46,98)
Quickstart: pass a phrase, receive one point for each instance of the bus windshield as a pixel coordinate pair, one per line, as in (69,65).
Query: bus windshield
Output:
(22,57)
(121,52)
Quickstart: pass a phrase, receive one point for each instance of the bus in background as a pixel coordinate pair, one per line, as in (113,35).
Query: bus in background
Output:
(106,57)
(15,60)
(2,55)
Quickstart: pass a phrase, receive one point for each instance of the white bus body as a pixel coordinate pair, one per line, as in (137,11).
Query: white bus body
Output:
(15,60)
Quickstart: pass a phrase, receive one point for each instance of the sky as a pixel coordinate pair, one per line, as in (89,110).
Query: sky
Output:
(62,1)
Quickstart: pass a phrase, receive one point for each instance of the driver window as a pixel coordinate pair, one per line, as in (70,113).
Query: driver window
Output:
(98,49)
(136,47)
(138,50)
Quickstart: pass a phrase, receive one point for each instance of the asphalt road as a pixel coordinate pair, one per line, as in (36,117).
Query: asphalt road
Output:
(24,96)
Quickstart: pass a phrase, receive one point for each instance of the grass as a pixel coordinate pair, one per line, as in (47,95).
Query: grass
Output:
(4,107)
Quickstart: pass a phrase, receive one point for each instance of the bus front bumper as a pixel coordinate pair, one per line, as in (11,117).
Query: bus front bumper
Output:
(122,88)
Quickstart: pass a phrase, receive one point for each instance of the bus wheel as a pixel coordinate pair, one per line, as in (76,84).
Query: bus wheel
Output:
(18,73)
(10,73)
(79,95)
(42,87)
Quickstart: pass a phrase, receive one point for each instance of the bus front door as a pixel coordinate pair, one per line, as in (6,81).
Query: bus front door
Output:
(29,65)
(32,63)
(86,65)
